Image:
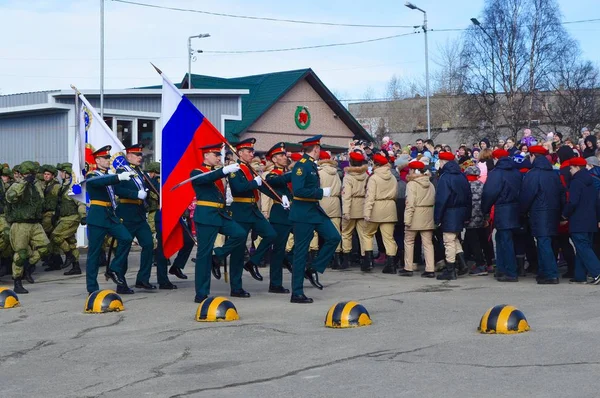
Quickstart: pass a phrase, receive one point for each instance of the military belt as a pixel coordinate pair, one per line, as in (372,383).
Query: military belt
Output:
(244,200)
(305,199)
(100,203)
(131,201)
(210,204)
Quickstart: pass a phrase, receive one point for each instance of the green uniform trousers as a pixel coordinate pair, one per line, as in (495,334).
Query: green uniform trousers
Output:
(206,235)
(29,243)
(47,225)
(262,227)
(182,255)
(303,234)
(278,253)
(96,237)
(141,231)
(5,247)
(63,235)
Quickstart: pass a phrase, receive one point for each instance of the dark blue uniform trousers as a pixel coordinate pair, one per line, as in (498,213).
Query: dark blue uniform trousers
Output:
(586,262)
(278,253)
(143,233)
(96,237)
(506,260)
(547,267)
(206,235)
(303,233)
(182,256)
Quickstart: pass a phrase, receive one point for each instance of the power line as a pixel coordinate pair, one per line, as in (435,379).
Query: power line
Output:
(310,47)
(219,14)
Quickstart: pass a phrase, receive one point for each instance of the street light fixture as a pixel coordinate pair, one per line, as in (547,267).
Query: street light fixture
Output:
(191,52)
(414,7)
(478,24)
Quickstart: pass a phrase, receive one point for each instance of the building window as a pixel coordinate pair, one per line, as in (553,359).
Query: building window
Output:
(124,131)
(145,135)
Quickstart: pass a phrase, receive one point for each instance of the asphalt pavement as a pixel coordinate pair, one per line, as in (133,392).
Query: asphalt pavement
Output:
(423,341)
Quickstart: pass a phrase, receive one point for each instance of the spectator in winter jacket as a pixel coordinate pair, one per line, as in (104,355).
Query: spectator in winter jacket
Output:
(523,239)
(502,191)
(511,147)
(542,197)
(591,146)
(528,139)
(451,212)
(476,225)
(583,211)
(418,219)
(484,144)
(485,164)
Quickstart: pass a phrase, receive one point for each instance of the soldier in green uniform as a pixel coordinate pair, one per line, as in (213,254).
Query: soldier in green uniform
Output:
(5,248)
(102,220)
(69,214)
(211,218)
(307,216)
(132,210)
(51,188)
(27,237)
(153,171)
(244,189)
(280,180)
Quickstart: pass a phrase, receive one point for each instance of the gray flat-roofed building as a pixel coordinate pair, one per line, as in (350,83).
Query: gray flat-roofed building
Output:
(41,125)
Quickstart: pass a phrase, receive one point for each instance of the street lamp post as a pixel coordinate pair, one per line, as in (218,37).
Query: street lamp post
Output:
(414,7)
(191,52)
(477,23)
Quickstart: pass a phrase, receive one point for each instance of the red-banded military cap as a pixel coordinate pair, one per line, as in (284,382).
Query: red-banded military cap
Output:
(500,153)
(212,148)
(416,164)
(538,149)
(324,155)
(579,162)
(276,150)
(296,156)
(248,143)
(357,156)
(446,156)
(380,159)
(135,148)
(103,152)
(316,140)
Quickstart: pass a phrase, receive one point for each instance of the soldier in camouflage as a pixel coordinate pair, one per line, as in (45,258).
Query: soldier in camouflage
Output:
(5,248)
(51,188)
(27,237)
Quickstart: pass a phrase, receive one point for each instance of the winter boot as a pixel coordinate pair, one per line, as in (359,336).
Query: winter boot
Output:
(27,272)
(345,261)
(390,266)
(463,268)
(19,286)
(337,263)
(75,270)
(367,263)
(521,266)
(449,273)
(69,259)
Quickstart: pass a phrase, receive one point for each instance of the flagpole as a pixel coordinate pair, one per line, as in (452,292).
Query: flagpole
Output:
(102,59)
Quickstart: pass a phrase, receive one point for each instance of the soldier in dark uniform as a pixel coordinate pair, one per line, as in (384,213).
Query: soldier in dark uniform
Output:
(102,220)
(280,180)
(132,210)
(244,189)
(211,218)
(307,216)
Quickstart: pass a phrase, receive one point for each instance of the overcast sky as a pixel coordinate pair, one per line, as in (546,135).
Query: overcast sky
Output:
(54,43)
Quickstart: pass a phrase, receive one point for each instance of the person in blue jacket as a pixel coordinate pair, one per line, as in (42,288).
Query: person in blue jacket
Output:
(502,190)
(451,211)
(582,210)
(542,197)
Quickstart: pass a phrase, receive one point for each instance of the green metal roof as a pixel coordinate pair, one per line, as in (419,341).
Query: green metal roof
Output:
(265,91)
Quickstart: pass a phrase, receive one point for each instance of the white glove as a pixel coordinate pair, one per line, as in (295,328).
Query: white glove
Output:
(126,176)
(326,192)
(232,168)
(258,180)
(285,202)
(142,194)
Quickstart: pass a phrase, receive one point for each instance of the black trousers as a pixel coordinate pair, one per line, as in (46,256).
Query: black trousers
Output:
(472,245)
(561,242)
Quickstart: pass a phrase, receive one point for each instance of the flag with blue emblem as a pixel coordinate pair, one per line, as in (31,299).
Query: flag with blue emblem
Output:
(93,133)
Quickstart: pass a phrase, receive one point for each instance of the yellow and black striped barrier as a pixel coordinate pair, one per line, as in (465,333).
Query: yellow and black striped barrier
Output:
(503,319)
(8,298)
(102,301)
(216,309)
(347,314)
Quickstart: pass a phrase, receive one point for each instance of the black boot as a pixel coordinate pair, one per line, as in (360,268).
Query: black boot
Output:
(69,259)
(463,268)
(337,262)
(19,286)
(449,273)
(521,266)
(50,264)
(28,271)
(390,266)
(367,263)
(75,270)
(345,261)
(287,264)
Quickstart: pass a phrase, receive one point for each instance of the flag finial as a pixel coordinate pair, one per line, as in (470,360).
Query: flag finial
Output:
(158,70)
(76,89)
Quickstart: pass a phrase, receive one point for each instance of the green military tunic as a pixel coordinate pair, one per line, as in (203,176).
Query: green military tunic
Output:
(70,213)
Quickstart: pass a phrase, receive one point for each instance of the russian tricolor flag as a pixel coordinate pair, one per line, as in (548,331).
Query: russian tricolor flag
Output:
(185,130)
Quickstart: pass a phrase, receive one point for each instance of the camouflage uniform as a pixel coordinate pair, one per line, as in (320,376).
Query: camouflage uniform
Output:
(27,237)
(153,200)
(5,248)
(51,190)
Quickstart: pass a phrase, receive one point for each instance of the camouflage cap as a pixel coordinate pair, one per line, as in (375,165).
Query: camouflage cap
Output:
(49,168)
(27,167)
(6,171)
(153,167)
(17,168)
(68,167)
